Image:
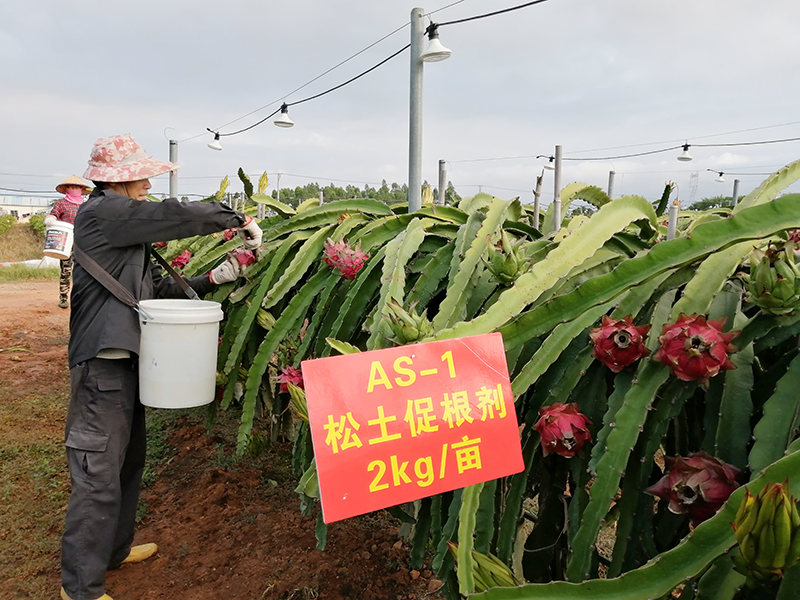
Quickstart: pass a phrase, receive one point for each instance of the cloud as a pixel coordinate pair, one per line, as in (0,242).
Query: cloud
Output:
(600,79)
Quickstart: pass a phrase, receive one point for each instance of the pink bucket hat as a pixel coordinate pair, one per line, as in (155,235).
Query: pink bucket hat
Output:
(120,159)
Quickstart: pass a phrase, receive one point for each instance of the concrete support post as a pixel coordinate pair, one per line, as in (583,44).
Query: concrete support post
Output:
(611,175)
(557,191)
(442,182)
(173,175)
(415,112)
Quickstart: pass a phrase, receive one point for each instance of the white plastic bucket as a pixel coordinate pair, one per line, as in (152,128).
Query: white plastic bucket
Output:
(178,352)
(58,240)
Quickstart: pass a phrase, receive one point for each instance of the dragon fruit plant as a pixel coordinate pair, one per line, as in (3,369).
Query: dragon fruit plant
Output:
(591,381)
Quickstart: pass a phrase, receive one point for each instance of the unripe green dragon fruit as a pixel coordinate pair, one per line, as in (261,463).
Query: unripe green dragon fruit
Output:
(774,280)
(297,401)
(407,326)
(767,528)
(504,261)
(488,571)
(265,319)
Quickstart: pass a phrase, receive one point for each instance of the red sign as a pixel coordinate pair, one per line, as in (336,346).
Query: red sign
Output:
(394,425)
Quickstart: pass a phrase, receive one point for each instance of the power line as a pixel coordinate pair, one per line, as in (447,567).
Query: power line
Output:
(619,156)
(444,7)
(49,193)
(491,14)
(695,137)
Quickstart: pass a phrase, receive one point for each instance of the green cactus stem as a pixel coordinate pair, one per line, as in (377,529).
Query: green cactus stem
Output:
(662,574)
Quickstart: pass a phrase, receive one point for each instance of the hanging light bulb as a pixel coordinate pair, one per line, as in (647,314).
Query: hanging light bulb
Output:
(435,51)
(720,178)
(550,165)
(284,120)
(685,156)
(215,145)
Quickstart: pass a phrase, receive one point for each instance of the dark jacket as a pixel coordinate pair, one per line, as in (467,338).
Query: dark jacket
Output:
(116,231)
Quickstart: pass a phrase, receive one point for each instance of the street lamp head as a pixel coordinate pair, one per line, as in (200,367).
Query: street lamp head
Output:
(215,145)
(685,156)
(284,120)
(435,52)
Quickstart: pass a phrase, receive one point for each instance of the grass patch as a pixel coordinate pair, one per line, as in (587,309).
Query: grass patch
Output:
(23,273)
(34,485)
(34,489)
(158,450)
(20,242)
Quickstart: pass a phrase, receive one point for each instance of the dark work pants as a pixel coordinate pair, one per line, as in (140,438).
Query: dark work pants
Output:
(105,439)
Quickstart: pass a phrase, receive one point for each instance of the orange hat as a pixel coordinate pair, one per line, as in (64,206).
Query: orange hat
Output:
(61,188)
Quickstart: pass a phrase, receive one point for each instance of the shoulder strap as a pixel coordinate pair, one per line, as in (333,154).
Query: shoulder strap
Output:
(101,275)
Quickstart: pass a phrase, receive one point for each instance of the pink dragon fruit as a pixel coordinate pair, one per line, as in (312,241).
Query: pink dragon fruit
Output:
(181,260)
(696,349)
(563,429)
(229,234)
(290,375)
(697,485)
(343,257)
(245,258)
(159,244)
(618,344)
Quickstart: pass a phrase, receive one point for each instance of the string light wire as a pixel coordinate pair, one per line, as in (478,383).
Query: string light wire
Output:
(351,80)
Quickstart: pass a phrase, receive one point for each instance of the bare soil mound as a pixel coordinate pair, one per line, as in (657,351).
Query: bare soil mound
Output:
(226,528)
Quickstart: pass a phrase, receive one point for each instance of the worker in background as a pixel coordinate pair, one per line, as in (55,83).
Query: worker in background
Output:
(74,189)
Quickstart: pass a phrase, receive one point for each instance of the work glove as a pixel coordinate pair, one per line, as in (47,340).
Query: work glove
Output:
(226,272)
(50,220)
(251,233)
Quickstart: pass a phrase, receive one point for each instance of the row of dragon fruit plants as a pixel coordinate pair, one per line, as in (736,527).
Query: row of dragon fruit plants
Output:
(655,381)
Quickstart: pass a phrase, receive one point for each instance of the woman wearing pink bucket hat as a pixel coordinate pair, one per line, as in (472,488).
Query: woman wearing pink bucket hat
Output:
(105,428)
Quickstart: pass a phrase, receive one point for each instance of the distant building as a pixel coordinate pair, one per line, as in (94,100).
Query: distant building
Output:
(23,207)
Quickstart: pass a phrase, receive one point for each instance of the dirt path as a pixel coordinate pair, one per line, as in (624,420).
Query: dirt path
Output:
(225,528)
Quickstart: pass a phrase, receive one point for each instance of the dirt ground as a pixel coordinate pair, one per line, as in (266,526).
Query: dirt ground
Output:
(225,528)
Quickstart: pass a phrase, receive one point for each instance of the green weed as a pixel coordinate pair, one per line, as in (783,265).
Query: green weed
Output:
(22,273)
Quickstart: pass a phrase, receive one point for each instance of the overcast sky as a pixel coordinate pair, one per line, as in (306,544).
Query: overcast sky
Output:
(601,78)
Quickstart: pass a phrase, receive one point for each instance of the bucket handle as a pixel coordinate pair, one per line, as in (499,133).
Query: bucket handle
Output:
(142,313)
